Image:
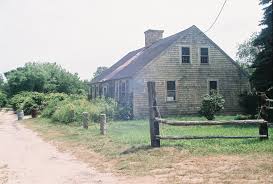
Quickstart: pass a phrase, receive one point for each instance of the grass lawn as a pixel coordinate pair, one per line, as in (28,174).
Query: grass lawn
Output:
(127,143)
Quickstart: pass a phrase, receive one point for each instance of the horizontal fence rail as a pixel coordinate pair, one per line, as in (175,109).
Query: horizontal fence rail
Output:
(208,137)
(194,123)
(155,121)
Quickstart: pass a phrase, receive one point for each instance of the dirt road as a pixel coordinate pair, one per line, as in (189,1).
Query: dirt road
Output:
(25,159)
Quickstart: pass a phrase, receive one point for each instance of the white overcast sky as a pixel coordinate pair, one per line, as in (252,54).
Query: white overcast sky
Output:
(81,35)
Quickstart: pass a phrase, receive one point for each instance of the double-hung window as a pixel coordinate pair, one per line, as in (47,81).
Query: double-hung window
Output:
(213,86)
(204,55)
(185,55)
(171,91)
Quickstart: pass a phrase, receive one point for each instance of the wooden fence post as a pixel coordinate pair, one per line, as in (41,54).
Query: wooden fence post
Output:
(154,125)
(263,130)
(102,124)
(85,120)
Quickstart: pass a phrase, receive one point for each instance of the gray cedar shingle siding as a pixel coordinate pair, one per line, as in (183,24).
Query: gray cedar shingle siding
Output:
(161,62)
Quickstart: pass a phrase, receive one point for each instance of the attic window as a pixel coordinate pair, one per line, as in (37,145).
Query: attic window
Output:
(204,55)
(171,91)
(185,54)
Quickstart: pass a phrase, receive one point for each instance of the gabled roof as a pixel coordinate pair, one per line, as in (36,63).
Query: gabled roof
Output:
(135,60)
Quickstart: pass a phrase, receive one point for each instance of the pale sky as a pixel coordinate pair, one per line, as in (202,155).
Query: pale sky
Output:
(81,35)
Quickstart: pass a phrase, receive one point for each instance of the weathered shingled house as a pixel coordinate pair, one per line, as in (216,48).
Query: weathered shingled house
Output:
(185,66)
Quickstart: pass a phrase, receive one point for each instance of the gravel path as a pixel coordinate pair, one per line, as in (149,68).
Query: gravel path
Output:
(26,159)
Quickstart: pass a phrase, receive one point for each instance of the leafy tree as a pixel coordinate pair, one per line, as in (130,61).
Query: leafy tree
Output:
(249,102)
(1,80)
(4,88)
(247,53)
(99,71)
(262,78)
(43,77)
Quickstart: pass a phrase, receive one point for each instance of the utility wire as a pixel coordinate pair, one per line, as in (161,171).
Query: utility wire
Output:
(217,16)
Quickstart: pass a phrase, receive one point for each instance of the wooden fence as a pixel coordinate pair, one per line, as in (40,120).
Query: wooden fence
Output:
(155,122)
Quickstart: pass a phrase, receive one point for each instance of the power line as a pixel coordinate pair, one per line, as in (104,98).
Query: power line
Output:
(217,16)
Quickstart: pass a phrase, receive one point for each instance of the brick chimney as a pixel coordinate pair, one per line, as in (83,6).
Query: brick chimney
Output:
(152,36)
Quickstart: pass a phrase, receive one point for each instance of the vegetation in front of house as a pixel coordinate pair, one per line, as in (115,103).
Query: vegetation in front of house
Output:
(135,133)
(70,110)
(3,99)
(255,55)
(249,103)
(211,104)
(3,95)
(128,142)
(62,107)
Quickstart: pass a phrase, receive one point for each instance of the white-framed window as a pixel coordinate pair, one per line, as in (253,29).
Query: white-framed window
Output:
(204,55)
(171,91)
(185,54)
(213,85)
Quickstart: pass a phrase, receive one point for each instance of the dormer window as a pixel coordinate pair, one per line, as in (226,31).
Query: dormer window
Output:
(204,55)
(185,54)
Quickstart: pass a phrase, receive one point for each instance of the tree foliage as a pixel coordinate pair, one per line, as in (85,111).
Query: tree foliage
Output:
(249,102)
(99,71)
(263,67)
(1,80)
(247,53)
(43,77)
(3,99)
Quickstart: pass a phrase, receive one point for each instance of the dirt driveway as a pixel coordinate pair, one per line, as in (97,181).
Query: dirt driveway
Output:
(26,159)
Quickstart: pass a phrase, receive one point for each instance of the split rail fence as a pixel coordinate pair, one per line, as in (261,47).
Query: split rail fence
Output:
(155,122)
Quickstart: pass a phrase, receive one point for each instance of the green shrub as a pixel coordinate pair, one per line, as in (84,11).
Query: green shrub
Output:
(26,101)
(211,104)
(124,112)
(3,99)
(71,109)
(55,97)
(51,103)
(65,114)
(249,103)
(107,106)
(17,100)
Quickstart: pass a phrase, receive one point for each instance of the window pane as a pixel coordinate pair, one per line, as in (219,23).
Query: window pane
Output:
(171,96)
(204,51)
(204,59)
(170,85)
(213,85)
(185,51)
(185,59)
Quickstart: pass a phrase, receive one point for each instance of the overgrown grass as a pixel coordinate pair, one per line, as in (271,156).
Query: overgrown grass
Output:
(126,146)
(125,135)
